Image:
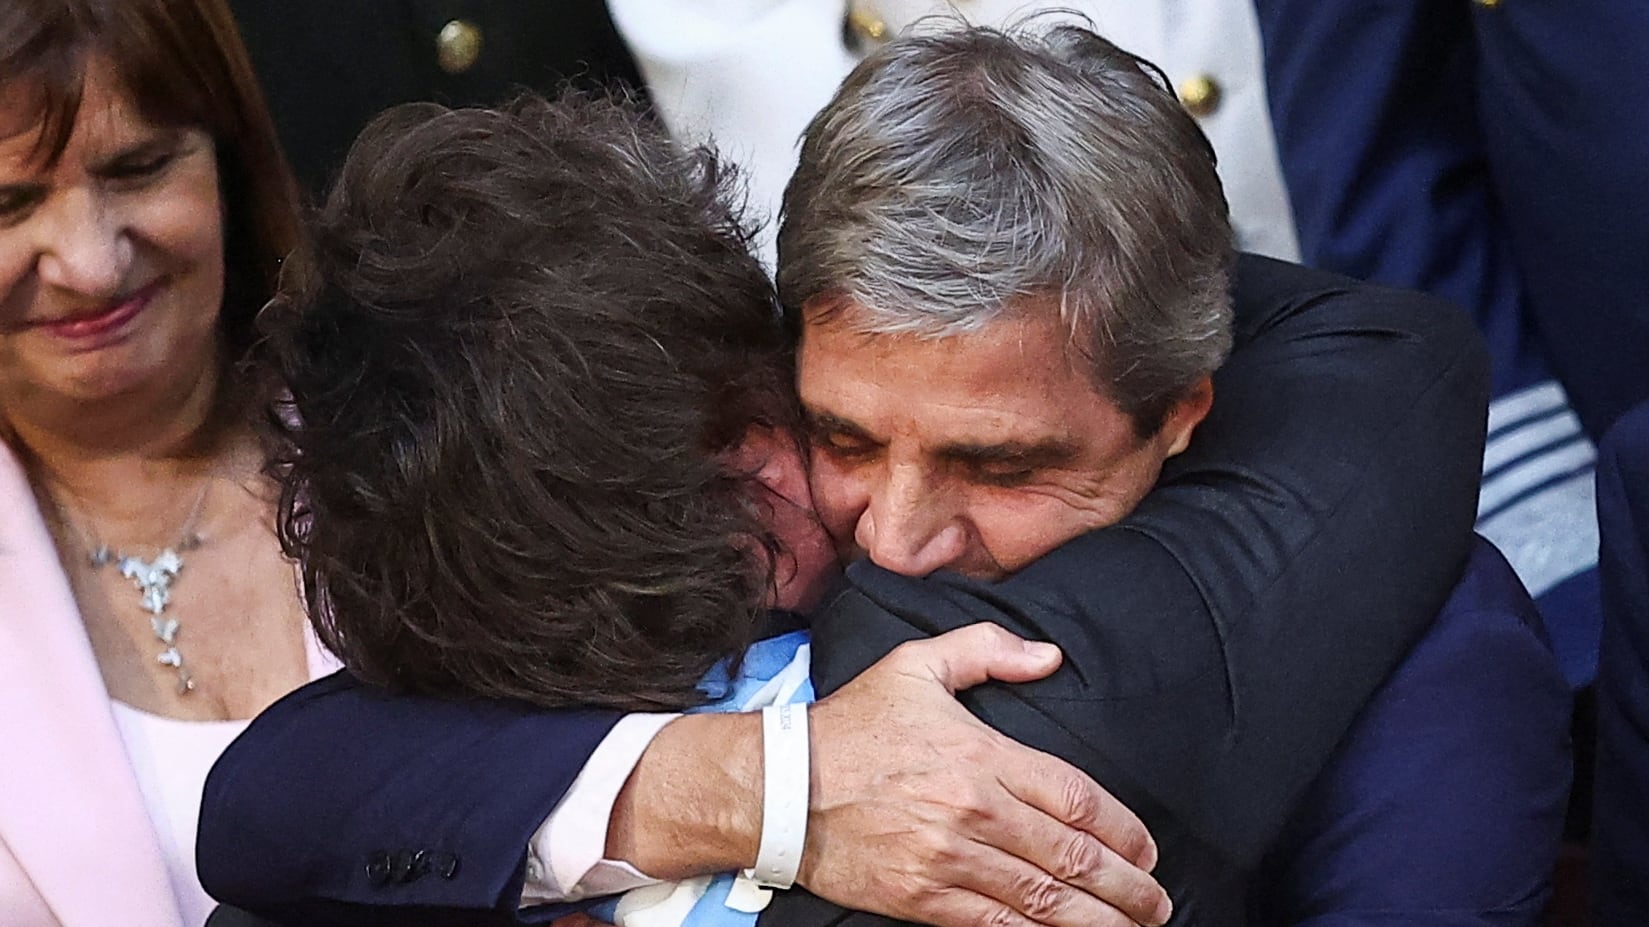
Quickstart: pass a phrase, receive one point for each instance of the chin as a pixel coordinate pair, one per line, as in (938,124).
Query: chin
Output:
(125,369)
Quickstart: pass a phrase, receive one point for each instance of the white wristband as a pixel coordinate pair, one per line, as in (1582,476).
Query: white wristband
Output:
(785,772)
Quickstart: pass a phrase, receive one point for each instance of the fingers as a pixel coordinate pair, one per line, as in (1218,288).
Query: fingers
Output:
(1059,847)
(961,826)
(968,656)
(1128,895)
(960,908)
(995,887)
(1066,876)
(1074,801)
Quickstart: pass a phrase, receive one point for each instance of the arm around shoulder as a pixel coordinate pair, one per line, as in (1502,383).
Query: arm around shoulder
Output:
(1343,450)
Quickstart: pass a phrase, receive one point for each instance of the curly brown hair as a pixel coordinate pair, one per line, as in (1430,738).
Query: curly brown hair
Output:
(514,349)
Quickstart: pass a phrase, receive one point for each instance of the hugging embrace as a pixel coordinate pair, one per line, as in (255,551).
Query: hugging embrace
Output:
(563,472)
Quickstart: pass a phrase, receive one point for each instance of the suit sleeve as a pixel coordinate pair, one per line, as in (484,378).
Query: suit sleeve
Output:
(1220,641)
(343,805)
(1444,806)
(1620,821)
(1387,168)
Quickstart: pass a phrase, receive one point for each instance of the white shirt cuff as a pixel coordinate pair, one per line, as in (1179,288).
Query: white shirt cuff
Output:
(564,856)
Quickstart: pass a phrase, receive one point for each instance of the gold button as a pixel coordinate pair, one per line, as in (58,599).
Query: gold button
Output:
(458,45)
(1487,4)
(866,24)
(1200,94)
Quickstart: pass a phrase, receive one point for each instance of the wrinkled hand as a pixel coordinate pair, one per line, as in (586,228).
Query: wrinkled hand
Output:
(921,812)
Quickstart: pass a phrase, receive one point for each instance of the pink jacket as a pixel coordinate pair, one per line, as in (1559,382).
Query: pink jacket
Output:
(76,845)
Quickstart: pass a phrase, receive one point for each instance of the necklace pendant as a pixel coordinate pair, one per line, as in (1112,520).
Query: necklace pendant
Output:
(172,657)
(165,629)
(153,579)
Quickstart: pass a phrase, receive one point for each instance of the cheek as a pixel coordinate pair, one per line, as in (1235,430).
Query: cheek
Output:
(15,288)
(182,227)
(189,230)
(840,495)
(1019,527)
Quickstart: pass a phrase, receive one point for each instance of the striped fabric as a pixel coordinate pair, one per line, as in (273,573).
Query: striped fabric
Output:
(774,672)
(1538,505)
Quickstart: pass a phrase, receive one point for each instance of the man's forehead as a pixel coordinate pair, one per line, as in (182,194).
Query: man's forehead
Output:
(846,339)
(1008,387)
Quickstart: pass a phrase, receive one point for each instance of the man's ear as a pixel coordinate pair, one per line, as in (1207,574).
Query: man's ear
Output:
(1186,415)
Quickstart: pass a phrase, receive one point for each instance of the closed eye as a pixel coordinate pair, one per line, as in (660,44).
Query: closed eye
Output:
(838,438)
(1006,476)
(18,200)
(139,169)
(1009,464)
(143,162)
(841,444)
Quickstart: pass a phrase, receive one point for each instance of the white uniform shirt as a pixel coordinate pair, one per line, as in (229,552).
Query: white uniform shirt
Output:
(747,75)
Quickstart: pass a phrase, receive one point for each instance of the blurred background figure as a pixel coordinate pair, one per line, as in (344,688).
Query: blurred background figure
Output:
(329,66)
(146,611)
(1620,833)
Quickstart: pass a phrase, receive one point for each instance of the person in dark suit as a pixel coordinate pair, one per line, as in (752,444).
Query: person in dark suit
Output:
(1620,816)
(1488,776)
(1475,150)
(328,66)
(1263,642)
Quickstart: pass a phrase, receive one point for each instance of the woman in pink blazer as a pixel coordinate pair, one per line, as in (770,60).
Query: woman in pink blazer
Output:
(146,610)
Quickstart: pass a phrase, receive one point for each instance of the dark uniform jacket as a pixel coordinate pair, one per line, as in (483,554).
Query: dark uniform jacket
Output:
(329,66)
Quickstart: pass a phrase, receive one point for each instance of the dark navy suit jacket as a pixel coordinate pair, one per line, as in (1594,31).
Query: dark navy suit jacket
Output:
(1221,640)
(1494,154)
(1620,821)
(1444,806)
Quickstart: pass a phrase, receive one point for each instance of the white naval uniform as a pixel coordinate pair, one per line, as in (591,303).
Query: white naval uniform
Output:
(749,74)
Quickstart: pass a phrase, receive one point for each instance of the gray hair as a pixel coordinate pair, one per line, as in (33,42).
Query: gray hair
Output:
(963,174)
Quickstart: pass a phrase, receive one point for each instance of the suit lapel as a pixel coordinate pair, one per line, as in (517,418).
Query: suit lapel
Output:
(70,808)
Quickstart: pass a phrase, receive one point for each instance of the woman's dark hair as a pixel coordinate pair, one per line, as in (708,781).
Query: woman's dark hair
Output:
(516,348)
(182,65)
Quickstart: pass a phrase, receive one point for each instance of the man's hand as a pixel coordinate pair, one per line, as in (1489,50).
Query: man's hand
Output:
(917,809)
(920,811)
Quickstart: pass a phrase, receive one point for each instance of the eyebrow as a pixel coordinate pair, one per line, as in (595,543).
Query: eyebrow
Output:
(163,141)
(824,422)
(1031,455)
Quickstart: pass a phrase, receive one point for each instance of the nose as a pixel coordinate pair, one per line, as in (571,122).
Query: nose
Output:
(909,526)
(88,250)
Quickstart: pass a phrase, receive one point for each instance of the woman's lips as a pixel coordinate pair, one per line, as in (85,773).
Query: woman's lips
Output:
(101,326)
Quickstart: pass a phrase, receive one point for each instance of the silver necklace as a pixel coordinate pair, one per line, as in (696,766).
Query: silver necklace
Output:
(153,579)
